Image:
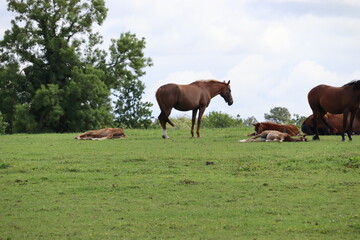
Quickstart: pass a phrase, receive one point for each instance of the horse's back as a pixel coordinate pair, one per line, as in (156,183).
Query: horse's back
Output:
(327,99)
(316,93)
(290,129)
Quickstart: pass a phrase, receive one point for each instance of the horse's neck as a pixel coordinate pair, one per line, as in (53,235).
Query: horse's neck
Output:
(215,89)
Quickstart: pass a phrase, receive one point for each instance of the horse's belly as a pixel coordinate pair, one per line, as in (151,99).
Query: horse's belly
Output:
(186,104)
(183,108)
(331,108)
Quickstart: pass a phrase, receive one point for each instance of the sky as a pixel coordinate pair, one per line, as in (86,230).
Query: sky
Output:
(272,51)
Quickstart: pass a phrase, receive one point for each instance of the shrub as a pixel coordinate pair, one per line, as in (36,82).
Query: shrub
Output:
(181,122)
(220,120)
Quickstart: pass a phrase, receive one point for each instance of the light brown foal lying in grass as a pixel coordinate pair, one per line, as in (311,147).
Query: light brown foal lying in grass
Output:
(102,134)
(274,136)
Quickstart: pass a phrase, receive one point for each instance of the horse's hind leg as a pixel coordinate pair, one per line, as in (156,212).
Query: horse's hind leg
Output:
(193,119)
(314,121)
(162,118)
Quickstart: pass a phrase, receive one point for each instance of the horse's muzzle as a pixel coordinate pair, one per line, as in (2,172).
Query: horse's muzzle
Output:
(230,102)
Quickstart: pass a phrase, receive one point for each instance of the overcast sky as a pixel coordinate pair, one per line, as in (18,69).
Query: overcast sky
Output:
(273,51)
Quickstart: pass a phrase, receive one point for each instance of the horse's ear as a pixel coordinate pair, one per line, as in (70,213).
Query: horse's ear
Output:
(228,82)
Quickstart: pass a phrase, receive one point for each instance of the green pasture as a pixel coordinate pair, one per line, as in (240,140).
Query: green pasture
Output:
(145,187)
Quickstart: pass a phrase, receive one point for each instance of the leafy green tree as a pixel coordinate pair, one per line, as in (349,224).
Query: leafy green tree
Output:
(3,124)
(23,121)
(297,120)
(54,74)
(129,109)
(280,115)
(249,121)
(46,105)
(14,90)
(87,104)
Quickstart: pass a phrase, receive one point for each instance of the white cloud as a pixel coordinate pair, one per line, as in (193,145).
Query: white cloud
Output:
(353,3)
(276,38)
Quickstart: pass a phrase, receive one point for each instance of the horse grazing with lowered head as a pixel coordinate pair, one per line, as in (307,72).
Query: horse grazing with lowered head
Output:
(288,128)
(102,134)
(274,136)
(195,96)
(334,120)
(336,100)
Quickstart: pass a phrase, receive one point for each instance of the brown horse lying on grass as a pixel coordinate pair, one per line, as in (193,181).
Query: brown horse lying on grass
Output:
(102,134)
(292,130)
(274,136)
(335,121)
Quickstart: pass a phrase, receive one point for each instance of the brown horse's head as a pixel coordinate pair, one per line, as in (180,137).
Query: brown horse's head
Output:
(258,128)
(226,93)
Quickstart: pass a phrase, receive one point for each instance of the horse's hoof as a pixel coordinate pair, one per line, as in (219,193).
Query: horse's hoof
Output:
(165,137)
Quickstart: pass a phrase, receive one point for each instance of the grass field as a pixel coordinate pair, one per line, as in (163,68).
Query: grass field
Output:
(145,187)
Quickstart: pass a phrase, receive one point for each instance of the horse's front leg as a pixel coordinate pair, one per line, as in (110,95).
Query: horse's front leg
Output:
(201,112)
(193,121)
(352,117)
(345,119)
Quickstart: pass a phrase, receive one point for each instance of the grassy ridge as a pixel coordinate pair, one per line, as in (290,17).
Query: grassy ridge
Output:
(144,187)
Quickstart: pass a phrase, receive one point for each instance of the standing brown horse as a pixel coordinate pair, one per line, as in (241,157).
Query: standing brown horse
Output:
(195,96)
(336,100)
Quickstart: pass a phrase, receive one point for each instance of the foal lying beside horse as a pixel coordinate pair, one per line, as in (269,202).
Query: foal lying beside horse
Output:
(102,134)
(274,136)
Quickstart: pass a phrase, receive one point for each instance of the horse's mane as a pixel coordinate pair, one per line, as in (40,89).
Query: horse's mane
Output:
(355,84)
(206,81)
